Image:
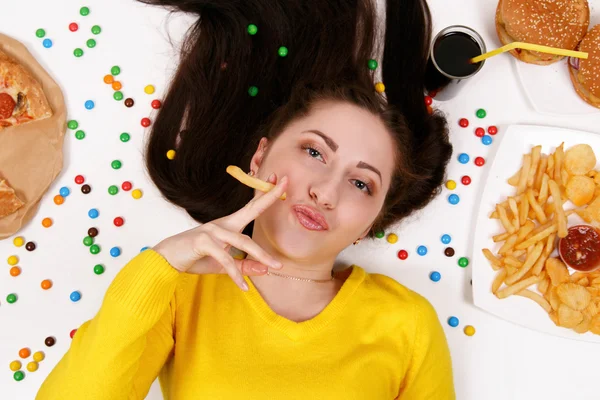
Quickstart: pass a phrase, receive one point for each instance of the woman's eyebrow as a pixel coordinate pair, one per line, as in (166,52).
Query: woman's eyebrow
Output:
(334,146)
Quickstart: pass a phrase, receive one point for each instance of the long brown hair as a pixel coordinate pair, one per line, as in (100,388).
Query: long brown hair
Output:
(213,119)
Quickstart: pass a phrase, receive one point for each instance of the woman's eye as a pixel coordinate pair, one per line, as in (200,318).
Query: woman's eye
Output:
(362,186)
(314,153)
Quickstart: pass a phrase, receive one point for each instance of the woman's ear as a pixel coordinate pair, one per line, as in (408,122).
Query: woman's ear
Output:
(259,155)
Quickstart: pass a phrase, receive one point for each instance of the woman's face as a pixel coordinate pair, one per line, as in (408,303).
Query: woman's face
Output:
(339,161)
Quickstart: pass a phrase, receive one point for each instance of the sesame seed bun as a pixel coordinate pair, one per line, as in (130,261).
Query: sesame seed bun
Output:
(585,74)
(555,23)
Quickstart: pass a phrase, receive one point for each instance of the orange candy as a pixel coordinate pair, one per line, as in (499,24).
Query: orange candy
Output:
(46,222)
(15,271)
(46,284)
(24,352)
(58,199)
(117,85)
(108,79)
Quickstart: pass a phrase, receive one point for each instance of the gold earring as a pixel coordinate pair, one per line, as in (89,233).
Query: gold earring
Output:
(357,241)
(251,173)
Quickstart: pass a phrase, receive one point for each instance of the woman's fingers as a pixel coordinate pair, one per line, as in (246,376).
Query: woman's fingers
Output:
(214,250)
(209,265)
(244,243)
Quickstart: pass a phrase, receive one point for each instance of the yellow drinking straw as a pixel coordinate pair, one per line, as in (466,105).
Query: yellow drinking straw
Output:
(529,46)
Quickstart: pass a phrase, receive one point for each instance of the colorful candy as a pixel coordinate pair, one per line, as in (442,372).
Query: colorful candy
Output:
(73,27)
(78,52)
(392,238)
(64,191)
(124,137)
(15,365)
(479,161)
(91,43)
(463,158)
(446,239)
(86,189)
(96,29)
(252,29)
(15,271)
(428,100)
(118,96)
(108,79)
(115,70)
(30,246)
(486,140)
(282,51)
(253,91)
(93,213)
(463,122)
(11,298)
(137,194)
(13,260)
(89,104)
(94,249)
(93,232)
(453,322)
(379,234)
(379,87)
(72,333)
(118,221)
(450,184)
(72,124)
(492,130)
(98,269)
(149,89)
(75,296)
(372,64)
(435,276)
(84,11)
(463,262)
(421,250)
(116,85)
(50,341)
(46,284)
(403,254)
(481,113)
(453,199)
(18,376)
(18,241)
(449,252)
(465,180)
(112,190)
(115,252)
(156,104)
(32,366)
(40,33)
(469,330)
(88,241)
(116,164)
(171,154)
(24,352)
(146,122)
(47,43)
(129,102)
(126,186)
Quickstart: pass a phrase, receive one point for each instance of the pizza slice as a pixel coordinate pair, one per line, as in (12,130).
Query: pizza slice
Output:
(9,202)
(22,98)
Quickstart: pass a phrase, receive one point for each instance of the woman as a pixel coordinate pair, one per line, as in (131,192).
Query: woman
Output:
(350,161)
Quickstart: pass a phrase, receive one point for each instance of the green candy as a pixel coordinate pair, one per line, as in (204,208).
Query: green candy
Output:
(11,298)
(18,375)
(88,241)
(112,190)
(463,262)
(78,52)
(481,113)
(72,124)
(379,234)
(96,29)
(84,11)
(118,95)
(252,29)
(98,269)
(91,43)
(372,64)
(253,91)
(115,70)
(94,249)
(283,51)
(40,33)
(80,134)
(125,137)
(116,164)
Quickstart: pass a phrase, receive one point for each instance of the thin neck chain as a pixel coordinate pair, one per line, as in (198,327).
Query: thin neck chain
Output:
(295,278)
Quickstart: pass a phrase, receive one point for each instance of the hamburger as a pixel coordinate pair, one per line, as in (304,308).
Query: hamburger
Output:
(555,23)
(585,73)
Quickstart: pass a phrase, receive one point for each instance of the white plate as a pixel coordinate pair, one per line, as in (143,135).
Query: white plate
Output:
(549,89)
(517,140)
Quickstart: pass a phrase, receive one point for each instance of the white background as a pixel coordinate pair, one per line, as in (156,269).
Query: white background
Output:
(502,361)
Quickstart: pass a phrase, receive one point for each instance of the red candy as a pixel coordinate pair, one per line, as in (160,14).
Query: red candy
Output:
(479,132)
(146,122)
(73,27)
(79,179)
(156,104)
(72,333)
(479,161)
(466,180)
(428,100)
(126,186)
(403,254)
(492,130)
(463,122)
(118,221)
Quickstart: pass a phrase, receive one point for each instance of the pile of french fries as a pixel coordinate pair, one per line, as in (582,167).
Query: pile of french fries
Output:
(534,219)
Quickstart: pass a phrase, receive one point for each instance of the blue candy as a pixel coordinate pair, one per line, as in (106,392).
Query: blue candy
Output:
(453,199)
(93,213)
(446,239)
(486,139)
(115,252)
(421,250)
(64,191)
(47,43)
(435,276)
(463,158)
(75,296)
(144,248)
(89,104)
(453,322)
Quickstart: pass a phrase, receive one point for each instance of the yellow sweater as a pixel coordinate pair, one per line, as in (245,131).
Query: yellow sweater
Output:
(206,339)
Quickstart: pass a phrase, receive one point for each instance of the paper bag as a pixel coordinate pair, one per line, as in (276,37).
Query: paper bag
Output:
(31,155)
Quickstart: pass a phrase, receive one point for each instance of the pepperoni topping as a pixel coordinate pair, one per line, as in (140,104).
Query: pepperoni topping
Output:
(7,105)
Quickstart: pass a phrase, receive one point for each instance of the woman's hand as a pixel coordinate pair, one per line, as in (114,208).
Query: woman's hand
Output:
(204,250)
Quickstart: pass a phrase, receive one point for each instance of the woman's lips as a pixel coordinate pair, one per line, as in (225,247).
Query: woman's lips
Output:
(310,218)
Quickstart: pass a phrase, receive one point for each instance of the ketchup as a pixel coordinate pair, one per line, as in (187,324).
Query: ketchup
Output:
(580,249)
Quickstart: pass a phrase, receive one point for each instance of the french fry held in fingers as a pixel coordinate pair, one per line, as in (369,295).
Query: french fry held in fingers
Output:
(251,181)
(548,188)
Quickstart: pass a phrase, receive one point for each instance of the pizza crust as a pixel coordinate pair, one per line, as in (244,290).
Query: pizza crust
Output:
(14,78)
(9,202)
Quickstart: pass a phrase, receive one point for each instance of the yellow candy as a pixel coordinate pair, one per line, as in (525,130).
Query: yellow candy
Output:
(171,154)
(15,365)
(13,260)
(149,89)
(32,366)
(38,356)
(379,87)
(451,184)
(19,241)
(392,238)
(469,330)
(137,194)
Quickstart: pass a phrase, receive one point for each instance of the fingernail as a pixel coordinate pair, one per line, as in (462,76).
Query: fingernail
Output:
(245,287)
(277,264)
(270,176)
(259,269)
